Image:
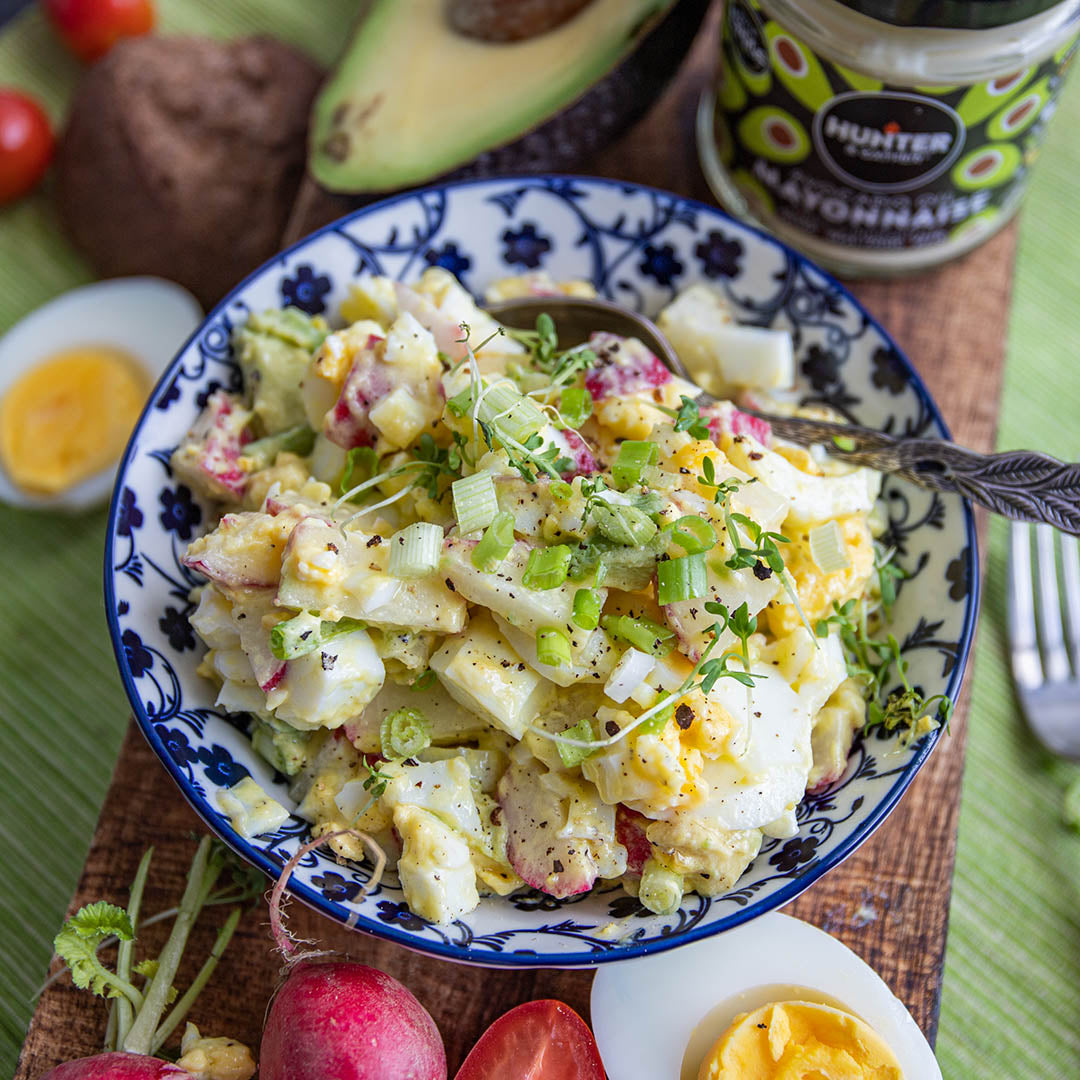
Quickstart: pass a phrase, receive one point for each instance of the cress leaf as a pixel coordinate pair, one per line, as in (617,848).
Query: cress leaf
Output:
(100,920)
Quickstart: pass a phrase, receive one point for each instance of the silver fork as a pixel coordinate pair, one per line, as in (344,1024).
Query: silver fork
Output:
(1044,646)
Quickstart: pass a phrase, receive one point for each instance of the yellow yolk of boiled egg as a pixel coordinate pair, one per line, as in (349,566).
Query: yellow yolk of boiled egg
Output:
(70,416)
(797,1040)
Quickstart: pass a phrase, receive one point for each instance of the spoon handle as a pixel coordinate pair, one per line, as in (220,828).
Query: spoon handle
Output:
(1020,484)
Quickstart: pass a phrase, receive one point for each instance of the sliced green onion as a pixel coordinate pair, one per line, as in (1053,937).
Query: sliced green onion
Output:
(561,490)
(547,567)
(625,525)
(587,609)
(304,633)
(361,460)
(661,890)
(659,720)
(575,755)
(404,733)
(520,417)
(495,544)
(643,634)
(634,458)
(827,548)
(552,647)
(575,406)
(475,504)
(685,578)
(693,534)
(424,681)
(415,550)
(296,440)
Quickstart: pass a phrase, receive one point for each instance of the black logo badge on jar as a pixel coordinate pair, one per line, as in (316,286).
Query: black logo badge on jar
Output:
(887,140)
(748,38)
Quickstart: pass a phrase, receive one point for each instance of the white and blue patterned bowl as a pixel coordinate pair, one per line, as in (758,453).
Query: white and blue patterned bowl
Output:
(638,246)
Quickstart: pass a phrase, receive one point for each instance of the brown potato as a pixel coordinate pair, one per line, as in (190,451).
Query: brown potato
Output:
(181,157)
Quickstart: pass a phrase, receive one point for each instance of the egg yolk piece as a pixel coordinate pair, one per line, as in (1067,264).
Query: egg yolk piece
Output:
(69,417)
(798,1040)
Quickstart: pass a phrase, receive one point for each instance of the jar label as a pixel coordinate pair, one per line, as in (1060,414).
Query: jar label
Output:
(863,164)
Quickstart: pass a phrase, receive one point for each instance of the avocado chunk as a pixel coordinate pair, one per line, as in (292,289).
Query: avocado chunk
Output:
(412,98)
(274,348)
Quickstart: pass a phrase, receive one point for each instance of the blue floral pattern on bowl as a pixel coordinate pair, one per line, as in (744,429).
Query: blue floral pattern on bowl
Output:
(639,247)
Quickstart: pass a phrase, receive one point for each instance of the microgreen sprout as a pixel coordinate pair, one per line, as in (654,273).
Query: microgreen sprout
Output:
(704,676)
(138,1022)
(872,662)
(688,418)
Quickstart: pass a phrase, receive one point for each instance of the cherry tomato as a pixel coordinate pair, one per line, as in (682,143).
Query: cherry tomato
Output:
(540,1040)
(90,28)
(26,144)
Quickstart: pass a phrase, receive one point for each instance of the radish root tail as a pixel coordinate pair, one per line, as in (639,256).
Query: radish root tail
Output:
(289,946)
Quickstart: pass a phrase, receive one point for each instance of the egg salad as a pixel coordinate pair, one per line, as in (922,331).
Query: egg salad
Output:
(525,613)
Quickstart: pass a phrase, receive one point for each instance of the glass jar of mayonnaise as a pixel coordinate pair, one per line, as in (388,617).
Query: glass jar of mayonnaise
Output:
(882,136)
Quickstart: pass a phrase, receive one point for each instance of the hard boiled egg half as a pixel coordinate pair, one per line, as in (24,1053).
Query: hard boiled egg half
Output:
(74,376)
(662,1017)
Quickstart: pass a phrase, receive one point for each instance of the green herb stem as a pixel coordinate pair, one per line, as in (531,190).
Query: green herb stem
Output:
(183,1006)
(201,878)
(125,954)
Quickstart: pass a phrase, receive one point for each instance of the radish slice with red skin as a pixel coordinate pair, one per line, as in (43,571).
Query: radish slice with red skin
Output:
(630,832)
(539,1040)
(625,366)
(117,1067)
(348,423)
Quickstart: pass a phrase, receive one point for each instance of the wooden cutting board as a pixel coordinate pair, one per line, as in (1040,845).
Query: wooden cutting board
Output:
(889,901)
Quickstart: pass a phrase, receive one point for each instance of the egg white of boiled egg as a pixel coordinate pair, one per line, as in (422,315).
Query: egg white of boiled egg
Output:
(656,1018)
(146,318)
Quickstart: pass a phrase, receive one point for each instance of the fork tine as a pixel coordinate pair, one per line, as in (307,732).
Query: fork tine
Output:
(1027,668)
(1070,561)
(1048,610)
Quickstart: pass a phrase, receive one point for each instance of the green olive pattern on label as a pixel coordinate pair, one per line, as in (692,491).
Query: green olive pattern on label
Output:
(841,155)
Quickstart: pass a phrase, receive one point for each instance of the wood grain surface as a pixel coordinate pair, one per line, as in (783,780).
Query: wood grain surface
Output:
(889,901)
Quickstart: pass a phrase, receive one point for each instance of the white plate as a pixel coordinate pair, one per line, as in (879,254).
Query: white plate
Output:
(656,1018)
(146,317)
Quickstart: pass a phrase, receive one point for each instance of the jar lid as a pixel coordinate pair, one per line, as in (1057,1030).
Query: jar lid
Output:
(952,14)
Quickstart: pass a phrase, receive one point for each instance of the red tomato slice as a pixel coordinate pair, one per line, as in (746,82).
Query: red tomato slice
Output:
(90,28)
(540,1040)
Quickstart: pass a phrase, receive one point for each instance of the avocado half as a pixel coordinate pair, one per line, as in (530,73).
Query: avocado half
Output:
(412,99)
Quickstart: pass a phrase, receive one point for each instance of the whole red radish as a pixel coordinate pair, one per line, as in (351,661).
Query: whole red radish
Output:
(116,1067)
(90,28)
(539,1040)
(26,144)
(345,1021)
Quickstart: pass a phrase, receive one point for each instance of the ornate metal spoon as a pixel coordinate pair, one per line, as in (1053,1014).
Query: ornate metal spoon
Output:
(1021,484)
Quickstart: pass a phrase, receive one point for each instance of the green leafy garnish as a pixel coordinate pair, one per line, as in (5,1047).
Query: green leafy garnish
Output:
(375,784)
(688,418)
(545,355)
(889,574)
(872,662)
(360,464)
(77,945)
(139,1023)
